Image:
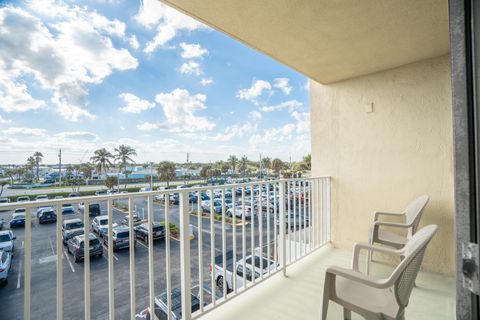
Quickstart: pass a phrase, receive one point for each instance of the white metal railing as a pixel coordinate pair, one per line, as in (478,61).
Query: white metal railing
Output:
(289,218)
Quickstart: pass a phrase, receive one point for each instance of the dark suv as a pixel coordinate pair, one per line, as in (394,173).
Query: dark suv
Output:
(47,215)
(141,231)
(76,247)
(120,238)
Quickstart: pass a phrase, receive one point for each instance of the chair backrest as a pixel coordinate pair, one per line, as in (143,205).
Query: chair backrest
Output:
(406,272)
(414,212)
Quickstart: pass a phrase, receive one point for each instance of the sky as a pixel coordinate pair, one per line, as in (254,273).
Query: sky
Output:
(83,75)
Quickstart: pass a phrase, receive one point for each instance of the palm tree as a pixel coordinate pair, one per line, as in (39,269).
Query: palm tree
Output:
(233,160)
(123,155)
(206,171)
(38,156)
(277,166)
(111,182)
(31,163)
(102,160)
(243,165)
(166,171)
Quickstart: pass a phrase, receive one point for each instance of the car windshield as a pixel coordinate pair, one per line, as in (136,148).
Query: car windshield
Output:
(103,222)
(4,237)
(19,210)
(74,225)
(18,216)
(266,262)
(66,205)
(123,234)
(158,228)
(3,200)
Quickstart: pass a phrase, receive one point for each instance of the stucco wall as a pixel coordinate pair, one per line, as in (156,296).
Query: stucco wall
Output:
(383,159)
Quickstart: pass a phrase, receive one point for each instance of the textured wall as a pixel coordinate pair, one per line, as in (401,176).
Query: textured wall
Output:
(383,159)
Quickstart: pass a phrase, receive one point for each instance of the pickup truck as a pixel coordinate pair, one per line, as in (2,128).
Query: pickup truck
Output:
(218,269)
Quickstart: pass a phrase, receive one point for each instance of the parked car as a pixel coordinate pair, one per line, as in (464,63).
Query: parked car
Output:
(41,197)
(18,220)
(145,189)
(93,209)
(100,225)
(252,269)
(296,221)
(71,228)
(42,208)
(74,195)
(120,238)
(67,209)
(101,192)
(23,199)
(238,211)
(47,215)
(217,206)
(5,265)
(6,241)
(136,221)
(59,197)
(2,222)
(158,231)
(76,247)
(161,306)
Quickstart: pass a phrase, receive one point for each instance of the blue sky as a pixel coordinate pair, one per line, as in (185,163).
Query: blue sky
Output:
(81,75)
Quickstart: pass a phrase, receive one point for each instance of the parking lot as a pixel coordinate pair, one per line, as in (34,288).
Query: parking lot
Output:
(43,278)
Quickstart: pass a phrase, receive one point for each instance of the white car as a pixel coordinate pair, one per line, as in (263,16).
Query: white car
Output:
(100,225)
(41,197)
(6,241)
(5,265)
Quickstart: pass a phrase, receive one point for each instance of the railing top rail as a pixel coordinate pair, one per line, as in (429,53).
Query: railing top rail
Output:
(131,195)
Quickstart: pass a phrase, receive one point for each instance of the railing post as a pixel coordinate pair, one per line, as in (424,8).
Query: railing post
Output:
(328,212)
(283,240)
(185,256)
(27,263)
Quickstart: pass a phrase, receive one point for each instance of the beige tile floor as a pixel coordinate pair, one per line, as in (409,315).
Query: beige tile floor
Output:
(298,296)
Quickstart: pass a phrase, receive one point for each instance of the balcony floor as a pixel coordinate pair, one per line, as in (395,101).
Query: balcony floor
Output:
(299,295)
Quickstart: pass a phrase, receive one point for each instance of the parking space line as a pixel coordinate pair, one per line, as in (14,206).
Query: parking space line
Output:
(142,244)
(51,244)
(68,259)
(204,230)
(19,272)
(106,249)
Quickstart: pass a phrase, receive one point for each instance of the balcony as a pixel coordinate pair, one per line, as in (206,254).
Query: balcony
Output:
(277,222)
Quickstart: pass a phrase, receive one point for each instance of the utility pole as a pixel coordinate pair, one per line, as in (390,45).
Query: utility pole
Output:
(59,166)
(151,176)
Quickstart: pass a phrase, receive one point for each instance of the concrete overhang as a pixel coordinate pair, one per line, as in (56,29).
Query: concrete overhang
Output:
(331,40)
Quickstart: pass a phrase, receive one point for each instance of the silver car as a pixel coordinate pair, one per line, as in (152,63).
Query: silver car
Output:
(120,238)
(5,265)
(71,228)
(6,241)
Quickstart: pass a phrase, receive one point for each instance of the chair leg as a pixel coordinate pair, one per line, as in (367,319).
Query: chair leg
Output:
(347,314)
(327,289)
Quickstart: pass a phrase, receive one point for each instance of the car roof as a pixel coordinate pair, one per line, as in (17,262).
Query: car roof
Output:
(81,237)
(104,217)
(72,220)
(120,228)
(18,214)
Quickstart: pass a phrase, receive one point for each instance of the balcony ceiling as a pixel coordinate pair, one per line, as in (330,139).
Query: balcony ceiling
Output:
(327,40)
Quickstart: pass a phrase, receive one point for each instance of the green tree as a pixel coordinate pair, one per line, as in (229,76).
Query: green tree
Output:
(307,162)
(123,156)
(111,182)
(277,166)
(38,156)
(102,160)
(233,160)
(31,164)
(206,171)
(166,171)
(243,165)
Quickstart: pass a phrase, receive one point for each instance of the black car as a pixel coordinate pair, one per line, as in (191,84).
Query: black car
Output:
(93,209)
(161,307)
(45,216)
(141,231)
(75,246)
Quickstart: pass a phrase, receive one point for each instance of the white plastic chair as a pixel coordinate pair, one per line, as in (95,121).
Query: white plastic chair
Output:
(412,213)
(373,297)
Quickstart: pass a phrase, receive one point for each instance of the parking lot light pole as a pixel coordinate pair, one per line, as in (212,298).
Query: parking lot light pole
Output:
(185,256)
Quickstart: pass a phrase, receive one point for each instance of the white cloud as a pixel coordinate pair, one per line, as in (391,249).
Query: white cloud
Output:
(255,115)
(282,84)
(132,40)
(4,121)
(148,126)
(180,107)
(290,105)
(206,81)
(64,53)
(76,136)
(255,91)
(14,97)
(134,104)
(191,67)
(192,50)
(167,22)
(19,131)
